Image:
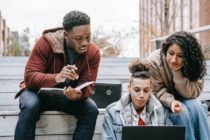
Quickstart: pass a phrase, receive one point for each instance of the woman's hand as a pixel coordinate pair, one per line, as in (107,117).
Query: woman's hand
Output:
(72,93)
(176,106)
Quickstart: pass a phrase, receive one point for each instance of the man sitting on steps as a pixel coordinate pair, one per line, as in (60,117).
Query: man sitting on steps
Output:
(62,57)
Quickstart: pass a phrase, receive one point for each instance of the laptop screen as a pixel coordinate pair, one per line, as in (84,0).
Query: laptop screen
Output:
(153,133)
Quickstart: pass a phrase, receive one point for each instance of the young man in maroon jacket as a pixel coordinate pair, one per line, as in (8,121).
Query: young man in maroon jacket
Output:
(62,57)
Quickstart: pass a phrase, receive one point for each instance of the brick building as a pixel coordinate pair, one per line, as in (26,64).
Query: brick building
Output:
(4,36)
(162,17)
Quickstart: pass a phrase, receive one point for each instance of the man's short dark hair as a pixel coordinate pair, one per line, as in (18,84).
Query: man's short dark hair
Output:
(75,18)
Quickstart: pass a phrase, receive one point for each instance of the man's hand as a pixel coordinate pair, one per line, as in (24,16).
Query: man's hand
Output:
(68,72)
(72,94)
(176,106)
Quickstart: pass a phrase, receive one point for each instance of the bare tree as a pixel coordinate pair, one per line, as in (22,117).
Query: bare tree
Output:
(110,42)
(19,43)
(158,18)
(14,45)
(164,11)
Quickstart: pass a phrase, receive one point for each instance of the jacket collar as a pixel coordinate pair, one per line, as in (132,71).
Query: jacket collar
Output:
(56,40)
(152,103)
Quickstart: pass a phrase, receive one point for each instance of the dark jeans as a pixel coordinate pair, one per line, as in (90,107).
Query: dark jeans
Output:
(32,104)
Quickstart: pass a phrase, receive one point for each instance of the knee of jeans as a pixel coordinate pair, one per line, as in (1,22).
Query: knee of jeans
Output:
(95,111)
(30,103)
(92,108)
(205,107)
(184,114)
(194,105)
(30,111)
(30,106)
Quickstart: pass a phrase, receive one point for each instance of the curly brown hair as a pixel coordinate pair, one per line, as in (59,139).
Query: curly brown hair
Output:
(194,62)
(139,69)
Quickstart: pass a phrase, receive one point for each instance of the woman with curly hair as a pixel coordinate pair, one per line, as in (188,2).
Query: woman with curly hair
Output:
(177,71)
(138,107)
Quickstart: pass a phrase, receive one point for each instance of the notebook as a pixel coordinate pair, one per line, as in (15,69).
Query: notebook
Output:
(59,91)
(153,133)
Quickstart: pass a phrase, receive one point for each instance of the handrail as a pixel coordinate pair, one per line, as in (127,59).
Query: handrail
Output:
(193,31)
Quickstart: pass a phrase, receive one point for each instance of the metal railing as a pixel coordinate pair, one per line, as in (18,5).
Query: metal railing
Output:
(193,31)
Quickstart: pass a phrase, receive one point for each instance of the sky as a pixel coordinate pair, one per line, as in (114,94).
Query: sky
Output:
(43,14)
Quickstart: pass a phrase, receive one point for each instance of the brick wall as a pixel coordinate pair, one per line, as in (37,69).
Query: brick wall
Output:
(4,35)
(205,20)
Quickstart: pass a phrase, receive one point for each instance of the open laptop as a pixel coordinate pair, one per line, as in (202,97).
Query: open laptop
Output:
(105,93)
(153,133)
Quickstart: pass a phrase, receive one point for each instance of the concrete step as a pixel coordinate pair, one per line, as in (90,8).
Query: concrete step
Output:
(52,124)
(47,126)
(111,70)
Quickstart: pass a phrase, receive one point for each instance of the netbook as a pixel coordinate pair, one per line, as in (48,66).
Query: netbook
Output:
(104,94)
(153,133)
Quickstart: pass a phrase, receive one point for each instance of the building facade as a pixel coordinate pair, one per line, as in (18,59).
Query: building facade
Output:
(4,36)
(163,17)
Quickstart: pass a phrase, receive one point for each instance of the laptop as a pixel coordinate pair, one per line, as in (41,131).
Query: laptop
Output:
(153,133)
(105,93)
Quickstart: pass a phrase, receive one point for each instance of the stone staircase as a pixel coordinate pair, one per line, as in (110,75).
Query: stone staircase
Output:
(56,125)
(52,125)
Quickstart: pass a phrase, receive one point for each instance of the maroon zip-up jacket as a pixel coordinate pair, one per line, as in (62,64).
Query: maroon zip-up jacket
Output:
(48,58)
